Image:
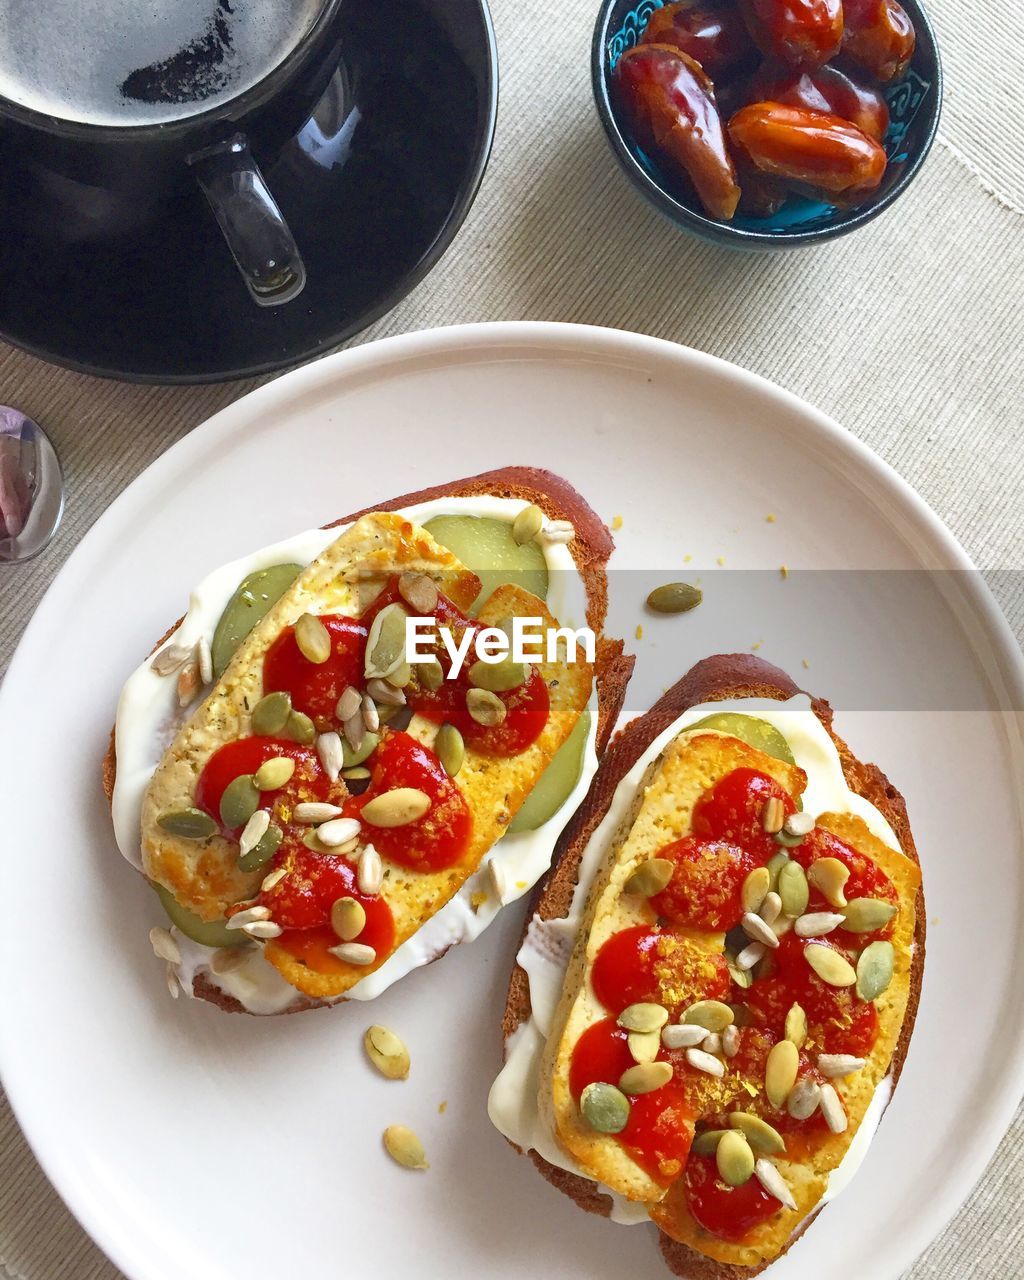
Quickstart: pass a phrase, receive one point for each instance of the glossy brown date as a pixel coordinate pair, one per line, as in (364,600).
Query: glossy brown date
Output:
(709,31)
(819,152)
(802,33)
(670,103)
(879,37)
(823,89)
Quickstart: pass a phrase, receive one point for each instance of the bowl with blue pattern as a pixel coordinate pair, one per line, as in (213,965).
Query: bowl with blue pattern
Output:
(914,101)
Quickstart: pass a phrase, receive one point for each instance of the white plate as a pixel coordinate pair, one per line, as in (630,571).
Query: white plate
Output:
(197,1145)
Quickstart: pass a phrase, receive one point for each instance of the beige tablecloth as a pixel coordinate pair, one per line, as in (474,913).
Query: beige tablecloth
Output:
(909,332)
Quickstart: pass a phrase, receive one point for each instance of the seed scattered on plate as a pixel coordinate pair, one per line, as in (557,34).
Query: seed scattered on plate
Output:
(675,597)
(404,1147)
(387,1052)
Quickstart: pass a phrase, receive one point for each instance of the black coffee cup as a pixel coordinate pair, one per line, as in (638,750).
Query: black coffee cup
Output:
(119,173)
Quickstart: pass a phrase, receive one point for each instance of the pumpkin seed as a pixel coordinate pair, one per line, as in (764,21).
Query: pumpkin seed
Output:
(759,1133)
(644,1045)
(350,757)
(773,814)
(682,1036)
(756,928)
(796,1025)
(829,876)
(387,1052)
(675,597)
(354,953)
(786,840)
(875,969)
(817,924)
(313,639)
(396,808)
(837,1065)
(385,644)
(527,524)
(404,1147)
(706,1143)
(450,749)
(832,1109)
(756,888)
(643,1017)
(713,1015)
(189,824)
(348,704)
(775,866)
(348,918)
(270,714)
(300,728)
(742,977)
(239,801)
(701,1060)
(358,774)
(273,773)
(829,965)
(419,591)
(263,850)
(865,915)
(645,1077)
(604,1108)
(485,708)
(774,1183)
(401,675)
(386,694)
(793,889)
(650,877)
(780,1072)
(431,675)
(803,1099)
(734,1158)
(499,677)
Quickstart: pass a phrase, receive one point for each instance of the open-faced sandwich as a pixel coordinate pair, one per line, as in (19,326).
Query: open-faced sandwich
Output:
(715,993)
(318,814)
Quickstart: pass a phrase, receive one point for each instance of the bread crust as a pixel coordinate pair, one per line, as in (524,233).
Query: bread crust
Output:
(715,679)
(590,548)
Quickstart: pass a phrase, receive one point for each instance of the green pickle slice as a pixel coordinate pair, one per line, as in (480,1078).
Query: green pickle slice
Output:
(749,729)
(212,933)
(556,783)
(487,547)
(254,597)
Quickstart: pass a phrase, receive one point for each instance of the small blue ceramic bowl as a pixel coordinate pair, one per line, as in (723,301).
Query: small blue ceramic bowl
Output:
(915,102)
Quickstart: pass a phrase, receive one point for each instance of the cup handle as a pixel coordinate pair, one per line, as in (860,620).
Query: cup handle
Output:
(256,233)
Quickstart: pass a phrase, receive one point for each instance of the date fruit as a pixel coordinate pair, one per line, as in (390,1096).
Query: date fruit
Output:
(819,152)
(709,31)
(879,37)
(824,89)
(802,33)
(670,102)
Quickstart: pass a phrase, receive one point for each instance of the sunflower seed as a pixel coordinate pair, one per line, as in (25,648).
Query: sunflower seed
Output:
(645,1077)
(798,824)
(227,959)
(313,812)
(385,644)
(169,660)
(780,1072)
(263,929)
(706,1143)
(701,1061)
(485,708)
(796,1025)
(263,850)
(793,889)
(354,729)
(274,878)
(750,955)
(741,977)
(837,1065)
(754,927)
(731,1041)
(875,969)
(204,660)
(683,1036)
(829,965)
(773,814)
(829,876)
(419,591)
(431,675)
(348,704)
(774,1183)
(734,1158)
(300,728)
(771,908)
(712,1043)
(274,773)
(270,714)
(817,924)
(803,1099)
(371,716)
(650,877)
(759,1133)
(832,1109)
(865,915)
(387,1052)
(189,824)
(328,748)
(712,1015)
(239,801)
(369,872)
(755,887)
(348,918)
(527,524)
(386,694)
(604,1108)
(171,978)
(496,879)
(643,1045)
(354,953)
(250,914)
(253,831)
(164,946)
(558,532)
(396,808)
(338,831)
(404,1147)
(450,749)
(188,683)
(643,1017)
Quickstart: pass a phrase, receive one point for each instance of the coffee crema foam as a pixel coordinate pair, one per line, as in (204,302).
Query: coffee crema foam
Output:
(139,62)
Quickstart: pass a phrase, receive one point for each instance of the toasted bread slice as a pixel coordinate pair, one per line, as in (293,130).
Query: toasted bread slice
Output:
(686,1248)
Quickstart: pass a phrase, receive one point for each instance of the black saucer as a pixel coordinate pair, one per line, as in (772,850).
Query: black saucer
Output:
(374,188)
